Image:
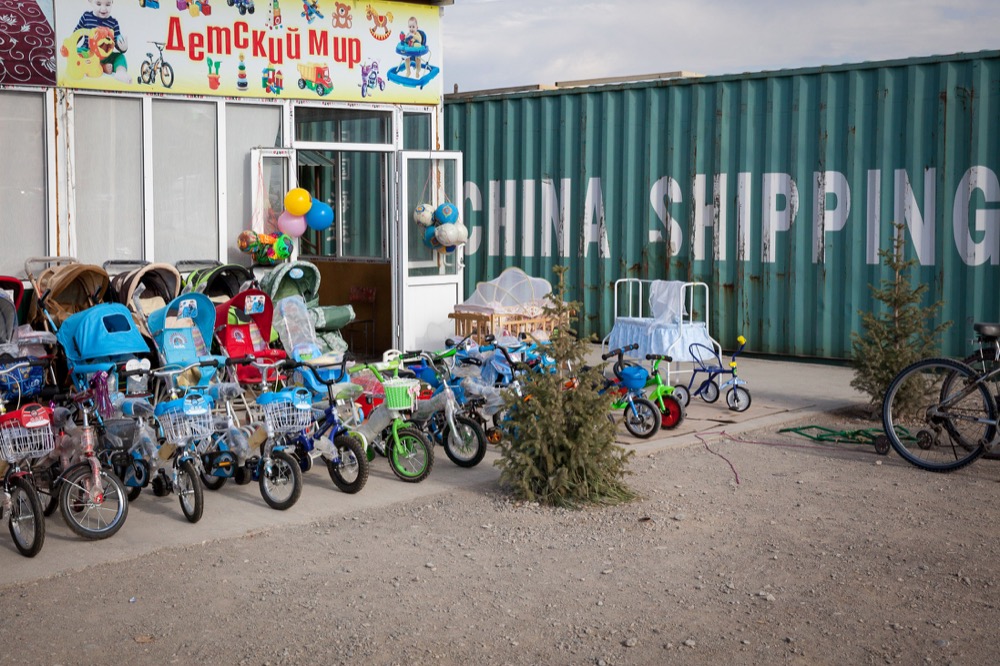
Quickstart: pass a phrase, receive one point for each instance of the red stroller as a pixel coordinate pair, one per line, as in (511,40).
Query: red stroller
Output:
(243,328)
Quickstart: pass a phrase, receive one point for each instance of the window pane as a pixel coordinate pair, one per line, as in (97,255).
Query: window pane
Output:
(342,125)
(22,183)
(360,207)
(186,221)
(416,131)
(247,126)
(108,155)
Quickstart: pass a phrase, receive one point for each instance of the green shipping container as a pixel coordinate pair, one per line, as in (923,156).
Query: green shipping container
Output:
(778,189)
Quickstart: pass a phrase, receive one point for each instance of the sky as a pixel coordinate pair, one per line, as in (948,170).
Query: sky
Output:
(504,43)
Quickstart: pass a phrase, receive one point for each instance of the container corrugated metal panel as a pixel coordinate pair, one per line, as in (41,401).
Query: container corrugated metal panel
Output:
(778,189)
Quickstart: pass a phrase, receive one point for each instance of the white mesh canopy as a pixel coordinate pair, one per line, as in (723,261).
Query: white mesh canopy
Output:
(512,292)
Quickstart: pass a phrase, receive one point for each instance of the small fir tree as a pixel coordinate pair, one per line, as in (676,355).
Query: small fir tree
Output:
(558,446)
(898,336)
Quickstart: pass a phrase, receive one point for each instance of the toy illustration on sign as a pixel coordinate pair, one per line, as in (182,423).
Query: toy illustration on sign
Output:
(380,23)
(152,67)
(345,62)
(244,6)
(316,77)
(213,73)
(103,39)
(310,10)
(370,79)
(272,80)
(416,55)
(342,16)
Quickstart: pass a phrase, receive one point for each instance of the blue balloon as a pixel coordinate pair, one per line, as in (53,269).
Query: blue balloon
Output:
(320,216)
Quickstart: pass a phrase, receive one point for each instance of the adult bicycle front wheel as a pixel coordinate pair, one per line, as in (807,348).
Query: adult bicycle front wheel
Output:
(937,416)
(26,523)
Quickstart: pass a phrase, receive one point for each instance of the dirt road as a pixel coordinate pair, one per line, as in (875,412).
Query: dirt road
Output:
(771,549)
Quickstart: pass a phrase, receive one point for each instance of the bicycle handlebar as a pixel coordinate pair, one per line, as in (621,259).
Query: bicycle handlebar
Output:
(619,352)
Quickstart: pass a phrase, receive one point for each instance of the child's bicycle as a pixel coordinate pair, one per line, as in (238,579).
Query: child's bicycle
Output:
(709,363)
(662,394)
(387,428)
(329,438)
(151,66)
(25,434)
(642,418)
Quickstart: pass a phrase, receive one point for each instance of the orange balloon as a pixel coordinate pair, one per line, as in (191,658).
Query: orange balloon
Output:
(298,201)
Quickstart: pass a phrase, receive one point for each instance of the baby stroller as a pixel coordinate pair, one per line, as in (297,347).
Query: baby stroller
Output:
(182,332)
(295,329)
(17,341)
(243,328)
(144,289)
(219,282)
(66,287)
(301,278)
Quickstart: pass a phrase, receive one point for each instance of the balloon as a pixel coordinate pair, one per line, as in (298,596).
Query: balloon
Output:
(298,201)
(320,216)
(446,213)
(423,214)
(293,225)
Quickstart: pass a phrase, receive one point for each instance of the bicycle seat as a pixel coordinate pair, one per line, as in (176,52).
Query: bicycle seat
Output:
(987,330)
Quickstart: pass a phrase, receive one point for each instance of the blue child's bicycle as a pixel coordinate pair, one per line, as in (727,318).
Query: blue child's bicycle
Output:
(708,364)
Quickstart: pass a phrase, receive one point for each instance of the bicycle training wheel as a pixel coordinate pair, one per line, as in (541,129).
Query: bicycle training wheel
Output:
(349,470)
(937,417)
(92,515)
(467,447)
(27,524)
(738,399)
(280,481)
(412,457)
(189,492)
(642,418)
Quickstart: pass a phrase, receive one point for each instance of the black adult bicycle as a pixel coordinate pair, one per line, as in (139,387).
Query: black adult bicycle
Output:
(941,414)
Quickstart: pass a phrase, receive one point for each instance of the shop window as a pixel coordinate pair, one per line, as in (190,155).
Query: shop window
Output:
(248,126)
(185,173)
(325,125)
(22,179)
(356,185)
(107,150)
(417,131)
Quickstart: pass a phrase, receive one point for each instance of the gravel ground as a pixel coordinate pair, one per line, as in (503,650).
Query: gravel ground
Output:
(760,550)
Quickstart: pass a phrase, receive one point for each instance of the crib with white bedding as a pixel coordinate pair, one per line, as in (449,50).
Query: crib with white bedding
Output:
(662,317)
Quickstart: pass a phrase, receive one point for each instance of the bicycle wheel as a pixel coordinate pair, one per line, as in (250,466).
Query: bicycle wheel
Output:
(212,482)
(411,457)
(166,75)
(92,515)
(937,416)
(349,470)
(280,480)
(642,418)
(467,447)
(671,412)
(146,73)
(738,399)
(683,395)
(709,391)
(189,492)
(26,523)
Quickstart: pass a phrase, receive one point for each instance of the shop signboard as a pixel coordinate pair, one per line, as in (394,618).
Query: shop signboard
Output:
(383,52)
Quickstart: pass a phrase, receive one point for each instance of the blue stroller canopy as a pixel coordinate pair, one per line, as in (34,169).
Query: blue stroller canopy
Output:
(187,310)
(104,331)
